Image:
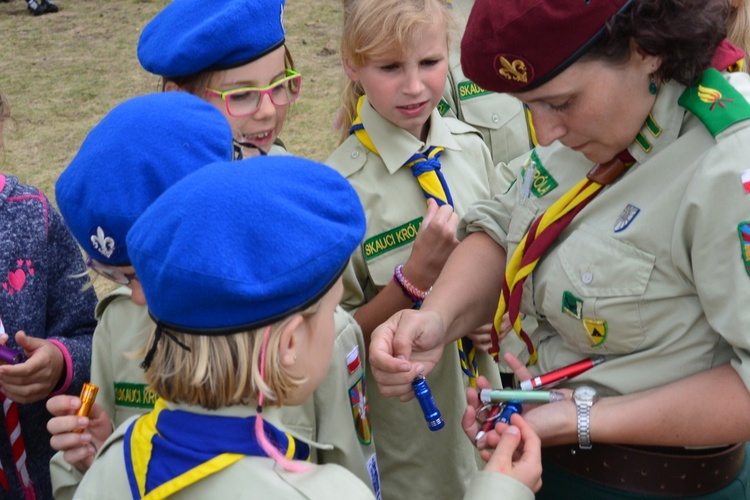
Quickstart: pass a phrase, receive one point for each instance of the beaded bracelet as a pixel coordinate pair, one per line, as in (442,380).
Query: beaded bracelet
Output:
(413,293)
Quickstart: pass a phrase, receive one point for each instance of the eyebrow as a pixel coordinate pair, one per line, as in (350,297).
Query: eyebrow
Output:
(251,83)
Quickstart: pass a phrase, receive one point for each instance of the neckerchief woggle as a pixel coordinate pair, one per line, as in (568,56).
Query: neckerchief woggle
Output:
(168,450)
(426,169)
(545,229)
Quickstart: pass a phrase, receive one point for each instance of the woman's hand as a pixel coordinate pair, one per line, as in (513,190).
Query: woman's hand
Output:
(517,452)
(79,447)
(35,378)
(410,343)
(482,338)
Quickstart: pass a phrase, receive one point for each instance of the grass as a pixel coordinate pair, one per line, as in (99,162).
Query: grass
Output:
(63,72)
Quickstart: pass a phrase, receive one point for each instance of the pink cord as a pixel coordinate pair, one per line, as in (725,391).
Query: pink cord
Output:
(260,435)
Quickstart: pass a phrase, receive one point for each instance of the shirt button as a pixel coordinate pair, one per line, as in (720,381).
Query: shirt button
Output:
(587,278)
(355,154)
(495,118)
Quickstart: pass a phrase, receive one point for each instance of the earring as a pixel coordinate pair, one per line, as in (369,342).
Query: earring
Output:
(653,88)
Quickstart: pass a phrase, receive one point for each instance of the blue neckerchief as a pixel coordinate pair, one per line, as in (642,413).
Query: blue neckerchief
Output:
(167,450)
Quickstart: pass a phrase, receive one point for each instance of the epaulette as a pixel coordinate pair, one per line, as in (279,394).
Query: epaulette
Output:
(349,157)
(120,292)
(715,102)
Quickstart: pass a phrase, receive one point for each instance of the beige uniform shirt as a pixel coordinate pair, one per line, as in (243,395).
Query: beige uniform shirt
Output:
(414,462)
(124,328)
(251,477)
(652,273)
(500,118)
(261,477)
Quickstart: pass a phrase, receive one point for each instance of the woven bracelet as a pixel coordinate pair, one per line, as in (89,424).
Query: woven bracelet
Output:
(412,292)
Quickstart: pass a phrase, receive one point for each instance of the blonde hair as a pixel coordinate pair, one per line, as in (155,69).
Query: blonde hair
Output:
(738,26)
(221,370)
(377,28)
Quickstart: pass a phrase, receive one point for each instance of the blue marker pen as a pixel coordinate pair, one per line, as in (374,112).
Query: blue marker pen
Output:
(424,396)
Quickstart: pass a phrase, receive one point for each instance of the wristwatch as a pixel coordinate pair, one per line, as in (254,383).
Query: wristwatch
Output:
(584,397)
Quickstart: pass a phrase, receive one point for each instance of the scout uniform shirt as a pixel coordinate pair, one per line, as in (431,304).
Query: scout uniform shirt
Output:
(500,118)
(653,272)
(119,340)
(414,462)
(251,477)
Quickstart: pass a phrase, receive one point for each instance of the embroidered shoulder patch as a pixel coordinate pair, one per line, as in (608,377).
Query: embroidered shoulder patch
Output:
(443,107)
(134,395)
(390,240)
(744,231)
(543,181)
(469,89)
(360,411)
(715,102)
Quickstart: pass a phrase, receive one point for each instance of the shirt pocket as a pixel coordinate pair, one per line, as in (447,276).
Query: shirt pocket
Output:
(594,292)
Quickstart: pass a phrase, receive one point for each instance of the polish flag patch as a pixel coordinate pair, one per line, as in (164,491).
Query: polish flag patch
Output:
(746,181)
(352,360)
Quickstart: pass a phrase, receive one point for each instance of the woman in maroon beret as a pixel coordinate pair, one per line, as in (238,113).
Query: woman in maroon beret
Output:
(626,236)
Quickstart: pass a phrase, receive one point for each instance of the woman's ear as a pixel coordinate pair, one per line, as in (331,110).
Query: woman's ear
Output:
(291,341)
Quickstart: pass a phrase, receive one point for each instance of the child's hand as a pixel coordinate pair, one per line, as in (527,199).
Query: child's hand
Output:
(482,338)
(35,378)
(470,423)
(518,452)
(79,447)
(432,247)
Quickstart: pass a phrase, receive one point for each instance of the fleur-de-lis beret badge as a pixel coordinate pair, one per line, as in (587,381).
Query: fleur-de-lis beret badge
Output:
(103,244)
(515,70)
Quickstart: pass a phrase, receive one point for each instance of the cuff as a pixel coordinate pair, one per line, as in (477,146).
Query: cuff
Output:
(67,368)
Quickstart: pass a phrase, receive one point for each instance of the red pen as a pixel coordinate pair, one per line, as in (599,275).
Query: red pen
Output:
(560,374)
(489,423)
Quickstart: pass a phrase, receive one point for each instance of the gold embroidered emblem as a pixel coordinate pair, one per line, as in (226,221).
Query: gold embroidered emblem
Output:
(515,71)
(712,97)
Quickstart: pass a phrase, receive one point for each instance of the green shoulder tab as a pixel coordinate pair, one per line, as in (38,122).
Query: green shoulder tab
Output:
(443,107)
(715,102)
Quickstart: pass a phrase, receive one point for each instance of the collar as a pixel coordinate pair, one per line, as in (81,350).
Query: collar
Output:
(395,145)
(663,125)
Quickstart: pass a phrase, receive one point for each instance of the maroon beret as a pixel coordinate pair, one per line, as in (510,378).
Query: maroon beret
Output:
(517,45)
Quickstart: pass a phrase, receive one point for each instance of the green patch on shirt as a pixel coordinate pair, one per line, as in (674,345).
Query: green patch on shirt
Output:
(443,107)
(715,102)
(134,395)
(390,240)
(543,181)
(469,89)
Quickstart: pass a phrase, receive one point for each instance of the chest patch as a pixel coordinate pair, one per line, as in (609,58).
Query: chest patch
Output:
(629,213)
(392,239)
(744,231)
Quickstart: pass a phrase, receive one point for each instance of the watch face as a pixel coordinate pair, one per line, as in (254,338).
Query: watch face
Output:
(584,393)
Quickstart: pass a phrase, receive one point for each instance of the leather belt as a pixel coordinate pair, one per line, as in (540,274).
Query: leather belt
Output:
(651,470)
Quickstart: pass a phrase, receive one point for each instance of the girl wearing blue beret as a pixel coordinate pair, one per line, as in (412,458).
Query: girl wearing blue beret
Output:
(232,54)
(248,74)
(100,195)
(244,324)
(46,322)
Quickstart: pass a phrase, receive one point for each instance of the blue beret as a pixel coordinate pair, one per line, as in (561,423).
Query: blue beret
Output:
(236,246)
(191,36)
(142,147)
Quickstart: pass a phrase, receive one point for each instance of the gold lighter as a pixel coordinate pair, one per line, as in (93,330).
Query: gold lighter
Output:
(88,396)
